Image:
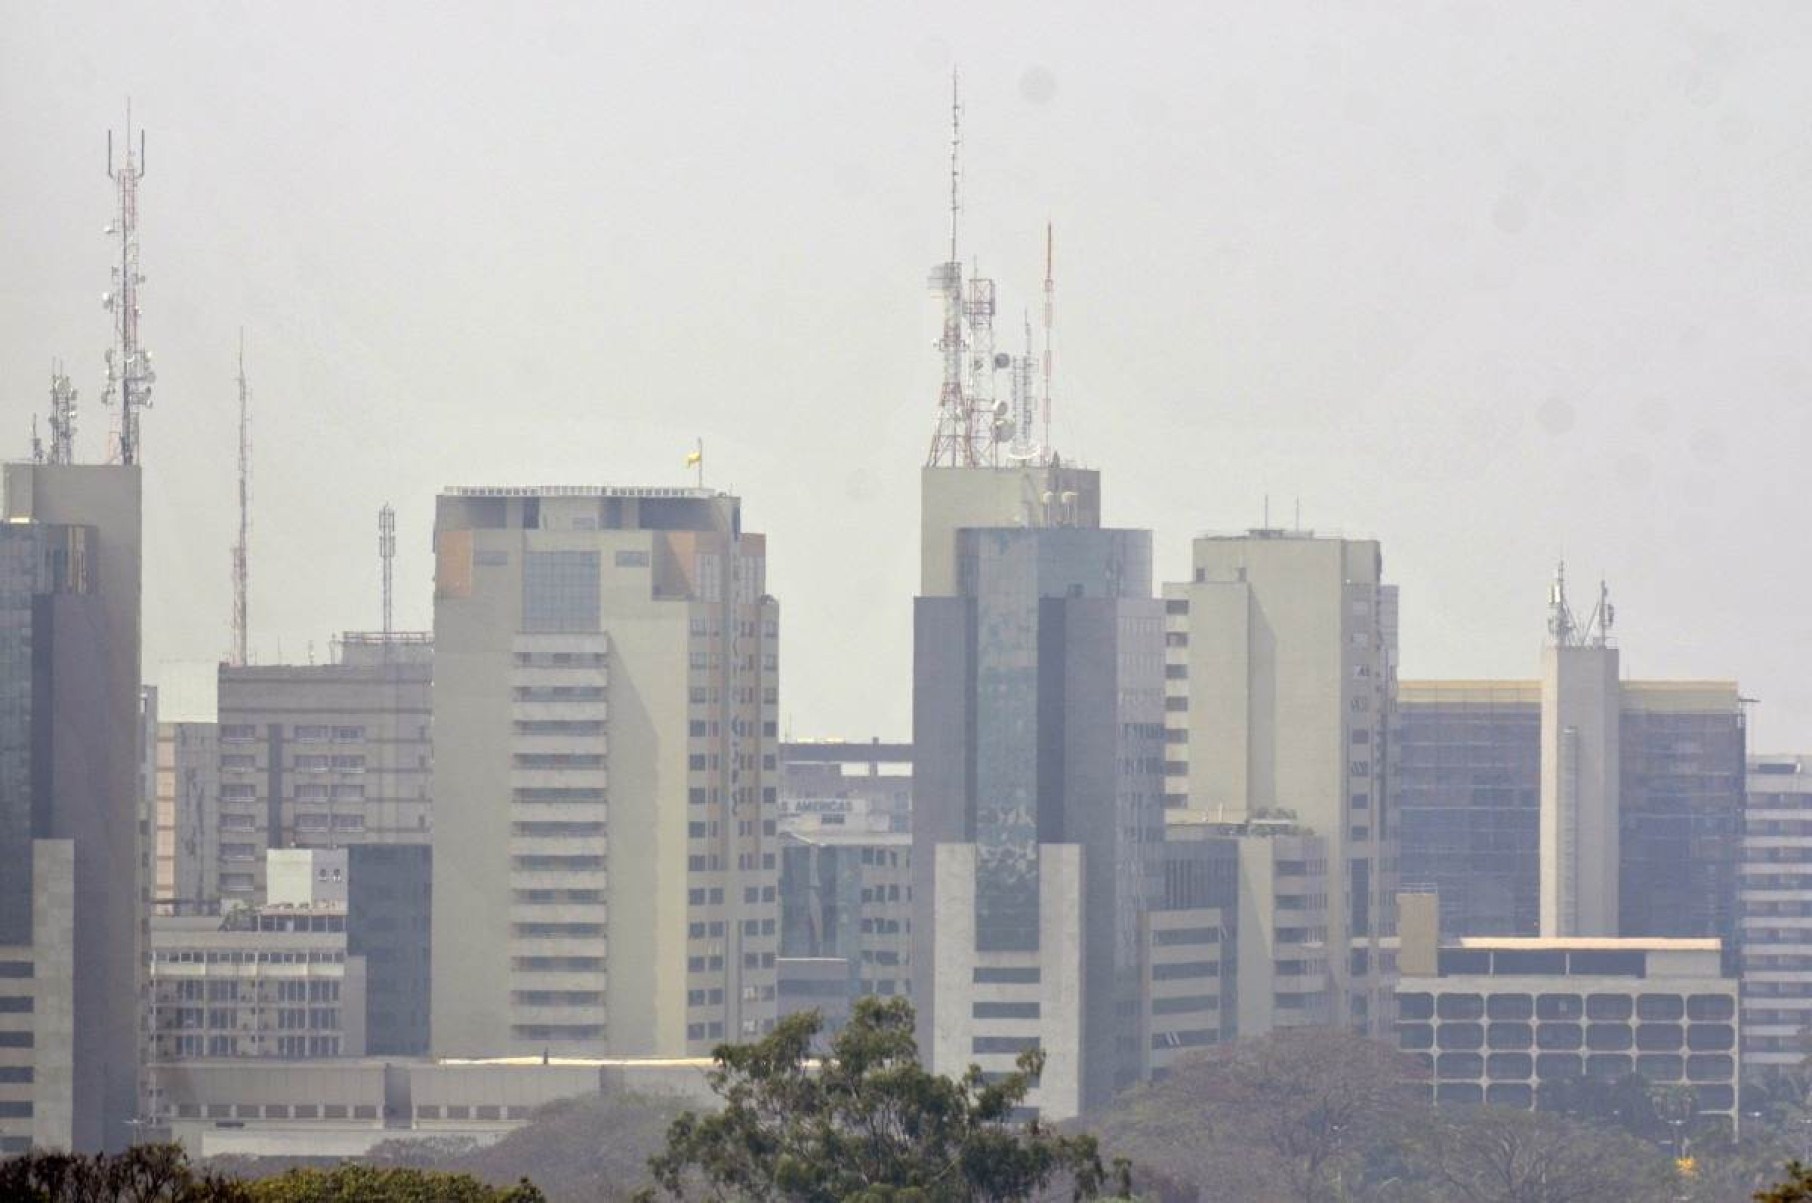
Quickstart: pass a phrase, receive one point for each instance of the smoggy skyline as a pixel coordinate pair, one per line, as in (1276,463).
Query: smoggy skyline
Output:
(1495,286)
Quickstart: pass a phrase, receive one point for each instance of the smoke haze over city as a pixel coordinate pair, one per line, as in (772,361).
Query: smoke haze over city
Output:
(1494,284)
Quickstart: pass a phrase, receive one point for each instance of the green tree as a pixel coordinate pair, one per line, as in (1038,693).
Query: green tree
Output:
(1302,1113)
(1796,1189)
(867,1124)
(150,1173)
(1498,1155)
(354,1183)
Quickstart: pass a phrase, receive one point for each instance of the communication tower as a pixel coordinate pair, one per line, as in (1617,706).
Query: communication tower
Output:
(386,525)
(241,547)
(1565,630)
(954,442)
(1050,308)
(62,416)
(128,364)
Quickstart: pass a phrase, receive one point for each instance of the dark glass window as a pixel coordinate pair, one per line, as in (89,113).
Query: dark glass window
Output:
(1510,1094)
(1608,1066)
(1462,1093)
(1551,1067)
(1558,1006)
(1465,1036)
(1510,1006)
(1659,1037)
(1559,1036)
(1529,962)
(1459,1065)
(560,591)
(1608,1006)
(1415,1006)
(1509,1065)
(1661,1067)
(1460,1006)
(1709,1067)
(1511,1035)
(1711,1007)
(1412,1036)
(1710,1037)
(1609,1037)
(1660,1006)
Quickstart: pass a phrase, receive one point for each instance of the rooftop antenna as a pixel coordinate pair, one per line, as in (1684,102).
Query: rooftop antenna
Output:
(62,417)
(37,444)
(386,546)
(953,440)
(1560,615)
(1050,310)
(128,364)
(237,656)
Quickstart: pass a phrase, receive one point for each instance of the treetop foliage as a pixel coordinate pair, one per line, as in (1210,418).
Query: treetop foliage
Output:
(867,1123)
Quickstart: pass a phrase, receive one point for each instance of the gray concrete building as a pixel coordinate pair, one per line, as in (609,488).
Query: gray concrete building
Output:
(70,799)
(1037,739)
(1776,917)
(1281,667)
(606,776)
(312,756)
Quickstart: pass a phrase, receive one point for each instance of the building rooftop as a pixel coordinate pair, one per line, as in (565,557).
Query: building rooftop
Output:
(580,491)
(1588,943)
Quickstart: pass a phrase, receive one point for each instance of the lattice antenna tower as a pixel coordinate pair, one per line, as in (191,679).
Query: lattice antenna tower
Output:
(953,440)
(1050,312)
(386,525)
(1020,432)
(1561,627)
(1565,629)
(62,416)
(242,546)
(128,364)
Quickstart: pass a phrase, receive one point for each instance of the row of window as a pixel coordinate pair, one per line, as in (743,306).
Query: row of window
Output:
(1700,1008)
(1568,1037)
(238,733)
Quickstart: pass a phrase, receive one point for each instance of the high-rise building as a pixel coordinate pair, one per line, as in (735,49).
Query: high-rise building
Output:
(1642,785)
(1776,910)
(606,773)
(315,756)
(70,794)
(1038,741)
(186,801)
(1280,666)
(1468,756)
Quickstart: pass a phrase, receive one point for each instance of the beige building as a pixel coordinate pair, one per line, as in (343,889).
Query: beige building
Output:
(1495,1019)
(605,778)
(1280,674)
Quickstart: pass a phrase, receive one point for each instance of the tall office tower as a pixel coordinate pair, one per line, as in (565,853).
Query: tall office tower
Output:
(1581,741)
(1576,796)
(323,756)
(1038,746)
(596,643)
(186,795)
(1281,666)
(1776,904)
(70,795)
(1468,757)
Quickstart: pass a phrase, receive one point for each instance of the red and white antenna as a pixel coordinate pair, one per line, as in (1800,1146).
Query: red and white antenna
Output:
(128,364)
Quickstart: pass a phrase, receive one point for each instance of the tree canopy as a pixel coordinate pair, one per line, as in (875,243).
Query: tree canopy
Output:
(868,1123)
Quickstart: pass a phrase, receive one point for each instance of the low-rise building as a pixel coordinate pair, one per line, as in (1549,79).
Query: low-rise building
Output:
(1497,1019)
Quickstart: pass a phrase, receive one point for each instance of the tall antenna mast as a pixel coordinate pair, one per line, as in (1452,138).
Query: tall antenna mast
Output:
(386,525)
(62,416)
(128,364)
(953,441)
(1050,312)
(237,656)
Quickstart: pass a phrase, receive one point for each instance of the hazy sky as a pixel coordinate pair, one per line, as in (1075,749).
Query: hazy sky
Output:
(1493,283)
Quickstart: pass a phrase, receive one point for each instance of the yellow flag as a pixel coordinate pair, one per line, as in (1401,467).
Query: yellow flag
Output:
(694,457)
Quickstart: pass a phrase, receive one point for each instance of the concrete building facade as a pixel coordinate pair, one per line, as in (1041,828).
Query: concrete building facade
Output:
(1037,737)
(1280,666)
(1777,913)
(318,756)
(1469,758)
(606,781)
(1496,1019)
(70,800)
